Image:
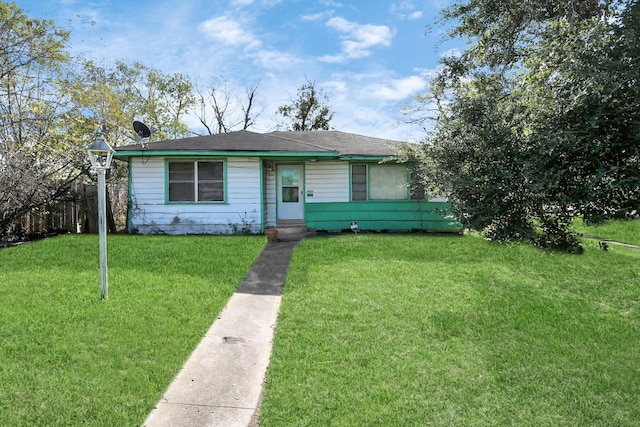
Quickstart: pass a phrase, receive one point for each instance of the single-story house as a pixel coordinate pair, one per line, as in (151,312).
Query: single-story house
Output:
(246,182)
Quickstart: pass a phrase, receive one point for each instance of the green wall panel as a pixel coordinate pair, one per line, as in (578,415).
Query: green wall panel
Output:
(391,215)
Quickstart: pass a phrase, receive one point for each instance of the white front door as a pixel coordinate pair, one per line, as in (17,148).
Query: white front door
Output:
(290,199)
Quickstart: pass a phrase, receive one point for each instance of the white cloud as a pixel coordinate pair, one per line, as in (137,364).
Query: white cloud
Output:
(228,31)
(370,103)
(336,87)
(271,59)
(241,45)
(332,59)
(331,3)
(406,10)
(358,39)
(397,89)
(317,16)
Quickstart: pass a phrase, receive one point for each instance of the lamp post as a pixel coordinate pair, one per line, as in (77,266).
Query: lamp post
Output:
(100,155)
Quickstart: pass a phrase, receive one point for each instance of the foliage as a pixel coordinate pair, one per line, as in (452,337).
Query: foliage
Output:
(245,227)
(110,98)
(539,120)
(52,105)
(69,358)
(35,164)
(309,111)
(470,336)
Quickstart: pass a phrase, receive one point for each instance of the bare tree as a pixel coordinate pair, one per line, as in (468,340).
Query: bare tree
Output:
(221,110)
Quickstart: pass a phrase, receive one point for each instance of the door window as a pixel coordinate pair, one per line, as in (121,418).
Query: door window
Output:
(290,185)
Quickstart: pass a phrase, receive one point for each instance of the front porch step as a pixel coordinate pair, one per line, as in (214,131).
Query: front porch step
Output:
(289,237)
(291,222)
(293,229)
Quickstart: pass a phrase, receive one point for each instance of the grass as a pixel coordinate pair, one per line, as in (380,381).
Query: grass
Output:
(379,330)
(624,231)
(68,358)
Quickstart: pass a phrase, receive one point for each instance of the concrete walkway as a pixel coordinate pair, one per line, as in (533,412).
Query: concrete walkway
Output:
(221,383)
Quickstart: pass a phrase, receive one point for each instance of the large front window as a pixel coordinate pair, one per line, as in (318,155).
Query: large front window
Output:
(378,182)
(196,181)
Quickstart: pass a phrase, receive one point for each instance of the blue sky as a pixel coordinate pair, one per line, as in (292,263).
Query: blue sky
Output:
(371,57)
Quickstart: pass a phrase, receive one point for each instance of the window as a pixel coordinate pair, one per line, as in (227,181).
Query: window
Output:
(378,182)
(196,181)
(388,182)
(358,182)
(417,187)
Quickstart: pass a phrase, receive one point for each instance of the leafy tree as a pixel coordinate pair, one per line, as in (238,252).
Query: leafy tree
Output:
(51,106)
(539,120)
(108,99)
(168,99)
(309,111)
(35,165)
(111,97)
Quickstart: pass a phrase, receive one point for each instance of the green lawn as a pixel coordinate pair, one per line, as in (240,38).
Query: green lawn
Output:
(374,330)
(624,231)
(382,330)
(68,358)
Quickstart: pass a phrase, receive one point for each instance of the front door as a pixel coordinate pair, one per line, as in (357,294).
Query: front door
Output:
(290,201)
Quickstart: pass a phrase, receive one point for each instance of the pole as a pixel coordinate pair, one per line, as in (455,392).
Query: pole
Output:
(102,229)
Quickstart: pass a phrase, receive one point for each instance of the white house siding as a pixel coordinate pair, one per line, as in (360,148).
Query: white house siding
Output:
(327,181)
(150,214)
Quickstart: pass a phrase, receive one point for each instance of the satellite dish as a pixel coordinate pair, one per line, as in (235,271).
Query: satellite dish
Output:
(141,129)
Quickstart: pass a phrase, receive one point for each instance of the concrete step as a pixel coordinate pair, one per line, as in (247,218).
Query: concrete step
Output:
(290,237)
(291,223)
(293,229)
(287,227)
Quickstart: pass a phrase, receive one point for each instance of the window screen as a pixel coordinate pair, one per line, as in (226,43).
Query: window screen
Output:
(210,182)
(387,182)
(200,181)
(181,181)
(358,182)
(417,187)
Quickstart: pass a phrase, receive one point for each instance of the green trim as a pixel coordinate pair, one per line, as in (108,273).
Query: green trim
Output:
(190,159)
(194,153)
(397,215)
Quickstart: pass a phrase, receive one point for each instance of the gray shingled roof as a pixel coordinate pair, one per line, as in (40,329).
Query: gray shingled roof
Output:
(347,144)
(341,143)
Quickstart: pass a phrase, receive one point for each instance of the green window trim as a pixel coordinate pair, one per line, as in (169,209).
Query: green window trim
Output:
(195,181)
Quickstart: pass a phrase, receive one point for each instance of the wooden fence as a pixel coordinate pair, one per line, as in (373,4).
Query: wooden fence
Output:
(55,217)
(79,213)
